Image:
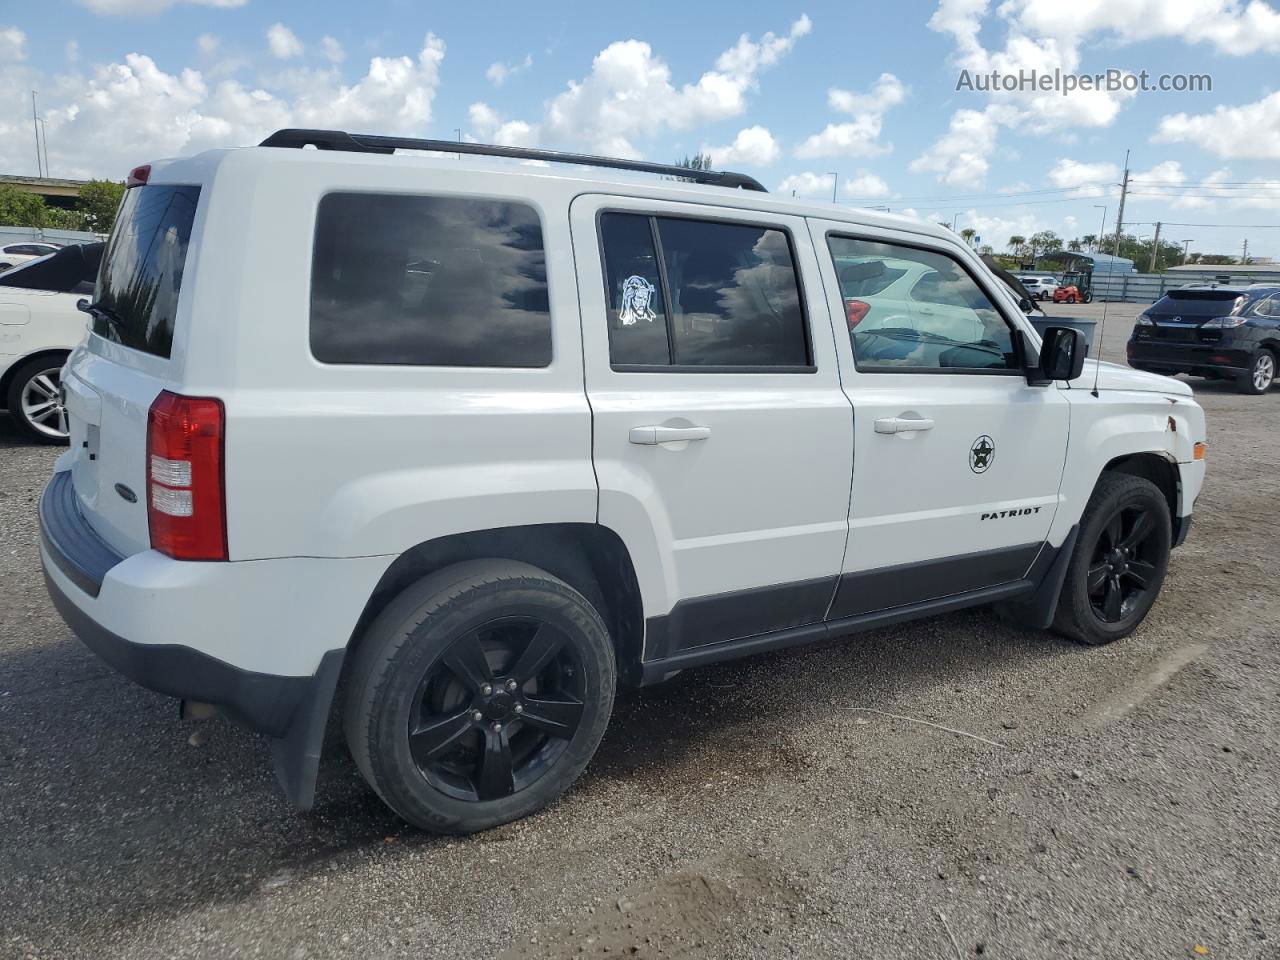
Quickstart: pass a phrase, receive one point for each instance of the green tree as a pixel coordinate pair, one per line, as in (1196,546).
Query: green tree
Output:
(97,204)
(1090,241)
(1075,246)
(19,208)
(968,233)
(1044,242)
(1017,242)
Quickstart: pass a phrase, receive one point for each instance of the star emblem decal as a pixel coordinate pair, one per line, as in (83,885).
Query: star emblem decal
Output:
(982,454)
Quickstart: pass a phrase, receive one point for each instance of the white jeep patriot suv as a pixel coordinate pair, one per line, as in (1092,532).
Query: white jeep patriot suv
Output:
(483,440)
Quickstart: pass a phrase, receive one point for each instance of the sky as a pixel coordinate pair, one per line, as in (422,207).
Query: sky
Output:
(798,95)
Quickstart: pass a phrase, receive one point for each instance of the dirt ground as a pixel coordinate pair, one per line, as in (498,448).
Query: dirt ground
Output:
(1117,802)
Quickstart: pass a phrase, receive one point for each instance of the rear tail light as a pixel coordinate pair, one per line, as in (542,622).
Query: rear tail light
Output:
(186,492)
(138,176)
(855,311)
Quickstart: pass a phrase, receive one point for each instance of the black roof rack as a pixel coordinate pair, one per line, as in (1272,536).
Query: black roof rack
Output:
(367,143)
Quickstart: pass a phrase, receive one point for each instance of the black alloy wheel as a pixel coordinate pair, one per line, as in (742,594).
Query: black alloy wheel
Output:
(1123,567)
(1118,561)
(479,694)
(497,710)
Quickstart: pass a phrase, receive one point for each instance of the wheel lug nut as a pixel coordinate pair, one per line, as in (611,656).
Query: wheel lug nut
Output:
(477,716)
(486,689)
(519,708)
(496,727)
(511,684)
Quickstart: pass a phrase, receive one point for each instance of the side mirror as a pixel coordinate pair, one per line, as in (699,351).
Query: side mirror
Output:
(1062,353)
(1025,305)
(83,305)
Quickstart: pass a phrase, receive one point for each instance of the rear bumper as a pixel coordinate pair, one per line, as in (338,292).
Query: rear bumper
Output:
(262,640)
(1164,356)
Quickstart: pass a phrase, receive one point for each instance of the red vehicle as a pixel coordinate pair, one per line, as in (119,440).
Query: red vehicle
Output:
(1076,287)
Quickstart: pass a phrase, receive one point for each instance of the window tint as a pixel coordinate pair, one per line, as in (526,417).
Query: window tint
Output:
(734,298)
(1269,308)
(637,311)
(432,281)
(931,315)
(137,294)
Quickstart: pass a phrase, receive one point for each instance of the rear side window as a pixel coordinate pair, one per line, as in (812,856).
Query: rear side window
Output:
(137,294)
(697,293)
(429,281)
(70,270)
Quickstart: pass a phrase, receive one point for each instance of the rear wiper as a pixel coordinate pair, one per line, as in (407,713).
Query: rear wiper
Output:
(97,310)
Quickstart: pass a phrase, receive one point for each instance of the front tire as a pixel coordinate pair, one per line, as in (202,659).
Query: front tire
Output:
(1262,370)
(35,401)
(1118,563)
(479,695)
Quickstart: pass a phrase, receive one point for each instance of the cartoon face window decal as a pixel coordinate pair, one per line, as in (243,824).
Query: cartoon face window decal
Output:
(637,297)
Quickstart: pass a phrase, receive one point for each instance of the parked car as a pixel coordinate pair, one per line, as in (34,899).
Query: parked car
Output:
(1040,287)
(1217,331)
(1069,294)
(39,325)
(484,441)
(13,254)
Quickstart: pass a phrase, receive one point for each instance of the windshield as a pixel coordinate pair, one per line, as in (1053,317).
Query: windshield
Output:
(137,294)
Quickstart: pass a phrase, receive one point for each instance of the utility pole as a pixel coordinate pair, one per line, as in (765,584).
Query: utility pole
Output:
(1124,191)
(1102,231)
(1155,248)
(35,125)
(1244,257)
(835,180)
(44,135)
(1186,250)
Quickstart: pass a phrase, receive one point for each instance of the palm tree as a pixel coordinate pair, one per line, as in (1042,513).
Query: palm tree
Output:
(1075,246)
(1090,241)
(968,233)
(1017,243)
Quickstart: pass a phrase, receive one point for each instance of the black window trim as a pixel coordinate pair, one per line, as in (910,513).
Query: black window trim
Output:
(315,232)
(652,216)
(1018,343)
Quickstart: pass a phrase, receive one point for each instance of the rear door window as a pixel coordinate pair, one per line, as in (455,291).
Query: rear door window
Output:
(136,299)
(1196,304)
(430,281)
(701,293)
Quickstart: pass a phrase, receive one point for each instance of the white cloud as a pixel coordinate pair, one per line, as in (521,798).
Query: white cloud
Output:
(284,42)
(1166,183)
(172,114)
(133,8)
(865,186)
(1234,28)
(996,230)
(72,50)
(207,44)
(1250,131)
(860,136)
(13,45)
(807,184)
(962,155)
(499,73)
(490,127)
(629,92)
(1088,179)
(753,146)
(332,50)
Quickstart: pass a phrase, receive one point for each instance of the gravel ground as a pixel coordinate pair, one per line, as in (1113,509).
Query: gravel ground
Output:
(1111,802)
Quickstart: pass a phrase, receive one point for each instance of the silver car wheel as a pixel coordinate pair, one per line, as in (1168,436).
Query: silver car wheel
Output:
(1264,371)
(42,404)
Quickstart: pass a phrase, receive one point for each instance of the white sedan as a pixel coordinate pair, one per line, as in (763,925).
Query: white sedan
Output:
(12,254)
(39,326)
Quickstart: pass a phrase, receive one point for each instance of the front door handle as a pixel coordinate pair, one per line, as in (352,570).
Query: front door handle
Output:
(903,424)
(659,434)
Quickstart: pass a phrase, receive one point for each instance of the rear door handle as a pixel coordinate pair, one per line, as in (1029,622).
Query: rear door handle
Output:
(660,434)
(903,424)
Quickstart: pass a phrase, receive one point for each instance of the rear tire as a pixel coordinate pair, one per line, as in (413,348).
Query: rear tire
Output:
(1262,370)
(479,695)
(34,400)
(1118,563)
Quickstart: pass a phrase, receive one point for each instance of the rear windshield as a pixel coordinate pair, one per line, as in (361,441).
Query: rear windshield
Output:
(1198,303)
(137,294)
